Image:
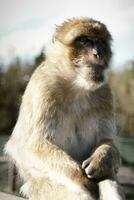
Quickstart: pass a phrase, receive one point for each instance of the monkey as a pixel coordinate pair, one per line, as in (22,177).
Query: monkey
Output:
(63,140)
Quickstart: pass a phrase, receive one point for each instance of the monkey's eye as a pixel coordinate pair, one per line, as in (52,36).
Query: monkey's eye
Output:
(100,45)
(83,40)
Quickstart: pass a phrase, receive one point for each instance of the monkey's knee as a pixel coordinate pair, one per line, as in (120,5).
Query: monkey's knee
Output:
(41,189)
(36,189)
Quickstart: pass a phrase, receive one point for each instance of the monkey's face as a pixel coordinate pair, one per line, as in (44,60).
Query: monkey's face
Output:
(91,53)
(88,43)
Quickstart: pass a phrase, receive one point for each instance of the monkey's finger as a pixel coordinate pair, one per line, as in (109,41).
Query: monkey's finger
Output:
(90,171)
(86,163)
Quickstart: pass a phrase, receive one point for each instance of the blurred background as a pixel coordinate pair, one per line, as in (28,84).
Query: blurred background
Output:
(26,27)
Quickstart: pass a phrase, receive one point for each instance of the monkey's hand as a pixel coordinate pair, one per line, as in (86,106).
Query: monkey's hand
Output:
(103,163)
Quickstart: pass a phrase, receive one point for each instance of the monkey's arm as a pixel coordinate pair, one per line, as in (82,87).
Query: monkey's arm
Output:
(104,162)
(102,167)
(105,159)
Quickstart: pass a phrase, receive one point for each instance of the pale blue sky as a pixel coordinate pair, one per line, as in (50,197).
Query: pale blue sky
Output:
(27,25)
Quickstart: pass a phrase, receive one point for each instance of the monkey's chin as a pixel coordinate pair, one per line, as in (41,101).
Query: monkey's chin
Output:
(95,84)
(97,80)
(89,78)
(88,83)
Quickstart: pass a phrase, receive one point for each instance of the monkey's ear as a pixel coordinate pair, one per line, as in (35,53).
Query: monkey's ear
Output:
(54,37)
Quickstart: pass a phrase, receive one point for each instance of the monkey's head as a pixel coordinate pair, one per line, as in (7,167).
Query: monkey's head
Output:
(89,46)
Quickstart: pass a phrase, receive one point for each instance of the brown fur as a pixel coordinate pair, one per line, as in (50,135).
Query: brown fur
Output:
(79,26)
(66,119)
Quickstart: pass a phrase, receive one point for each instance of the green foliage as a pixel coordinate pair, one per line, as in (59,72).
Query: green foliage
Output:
(123,89)
(12,86)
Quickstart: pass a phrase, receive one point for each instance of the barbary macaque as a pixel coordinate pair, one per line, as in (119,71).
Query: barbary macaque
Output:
(62,143)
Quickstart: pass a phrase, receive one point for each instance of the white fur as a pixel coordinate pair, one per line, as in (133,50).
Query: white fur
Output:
(82,80)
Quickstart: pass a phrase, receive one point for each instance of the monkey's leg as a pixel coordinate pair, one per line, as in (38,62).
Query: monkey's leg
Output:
(103,165)
(110,189)
(46,189)
(48,159)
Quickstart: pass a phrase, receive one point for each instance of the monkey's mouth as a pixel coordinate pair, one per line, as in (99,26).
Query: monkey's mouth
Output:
(96,76)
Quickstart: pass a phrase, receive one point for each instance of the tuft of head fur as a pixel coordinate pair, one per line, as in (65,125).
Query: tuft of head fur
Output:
(75,27)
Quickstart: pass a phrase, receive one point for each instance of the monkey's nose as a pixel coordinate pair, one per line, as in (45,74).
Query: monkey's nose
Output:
(95,53)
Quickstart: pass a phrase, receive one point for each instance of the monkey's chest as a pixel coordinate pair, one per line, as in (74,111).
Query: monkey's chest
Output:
(76,138)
